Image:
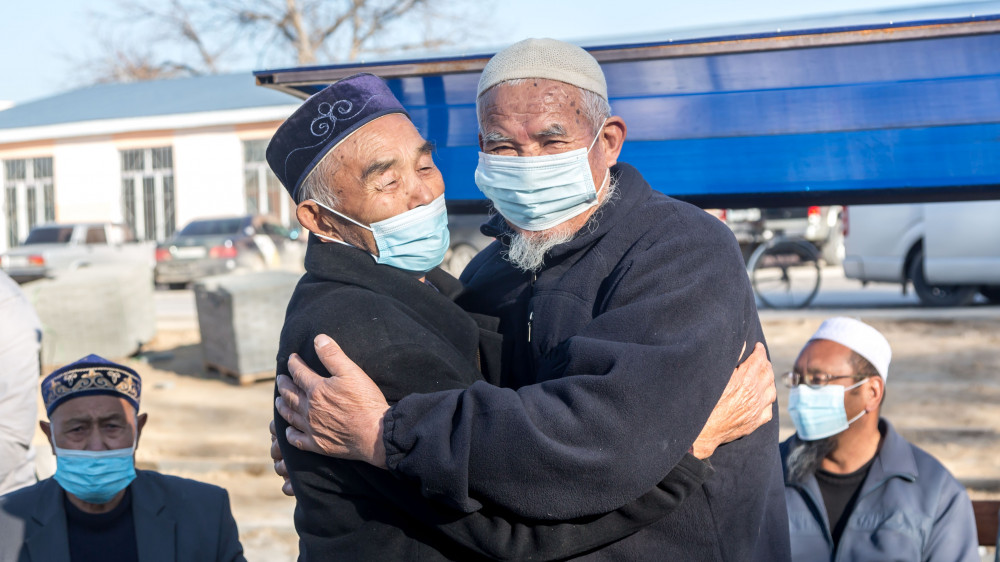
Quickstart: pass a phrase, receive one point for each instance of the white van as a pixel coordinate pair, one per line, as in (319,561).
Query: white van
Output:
(949,251)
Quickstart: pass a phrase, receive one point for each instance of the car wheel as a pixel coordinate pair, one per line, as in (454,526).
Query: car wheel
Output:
(938,295)
(992,293)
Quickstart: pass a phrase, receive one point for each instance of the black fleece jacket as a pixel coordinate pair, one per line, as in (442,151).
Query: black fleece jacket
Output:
(617,350)
(411,338)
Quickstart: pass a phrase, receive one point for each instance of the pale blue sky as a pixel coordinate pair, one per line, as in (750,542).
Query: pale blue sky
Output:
(40,39)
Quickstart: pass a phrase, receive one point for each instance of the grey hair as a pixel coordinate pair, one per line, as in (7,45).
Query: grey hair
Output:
(595,109)
(317,184)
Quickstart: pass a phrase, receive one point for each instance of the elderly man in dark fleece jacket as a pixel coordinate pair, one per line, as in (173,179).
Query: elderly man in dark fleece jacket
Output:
(373,294)
(623,315)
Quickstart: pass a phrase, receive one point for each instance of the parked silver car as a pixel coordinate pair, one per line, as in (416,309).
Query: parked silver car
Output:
(52,248)
(214,246)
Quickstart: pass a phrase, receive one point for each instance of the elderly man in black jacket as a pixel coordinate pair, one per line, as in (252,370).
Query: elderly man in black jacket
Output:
(614,410)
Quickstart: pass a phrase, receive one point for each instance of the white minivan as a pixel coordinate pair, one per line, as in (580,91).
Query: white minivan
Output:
(949,251)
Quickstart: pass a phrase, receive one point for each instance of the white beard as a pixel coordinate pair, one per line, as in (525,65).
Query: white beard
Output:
(527,249)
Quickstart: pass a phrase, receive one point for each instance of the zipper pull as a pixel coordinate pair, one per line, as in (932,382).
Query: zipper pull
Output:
(531,317)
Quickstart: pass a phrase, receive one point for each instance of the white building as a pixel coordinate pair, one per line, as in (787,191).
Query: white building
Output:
(154,155)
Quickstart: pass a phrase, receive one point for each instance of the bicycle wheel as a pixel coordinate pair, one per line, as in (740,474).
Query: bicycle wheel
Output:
(785,273)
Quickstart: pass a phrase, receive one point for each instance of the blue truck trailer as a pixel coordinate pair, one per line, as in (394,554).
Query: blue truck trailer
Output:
(897,112)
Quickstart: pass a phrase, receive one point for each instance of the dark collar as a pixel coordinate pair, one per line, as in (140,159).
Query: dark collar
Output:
(349,265)
(48,540)
(434,303)
(154,528)
(893,459)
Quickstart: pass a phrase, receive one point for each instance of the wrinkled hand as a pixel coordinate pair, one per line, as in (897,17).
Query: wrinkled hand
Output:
(279,462)
(340,416)
(745,404)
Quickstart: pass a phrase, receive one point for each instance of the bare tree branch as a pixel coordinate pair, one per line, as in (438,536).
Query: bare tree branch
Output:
(186,37)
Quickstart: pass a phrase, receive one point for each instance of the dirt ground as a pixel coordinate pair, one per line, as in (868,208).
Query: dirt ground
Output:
(943,394)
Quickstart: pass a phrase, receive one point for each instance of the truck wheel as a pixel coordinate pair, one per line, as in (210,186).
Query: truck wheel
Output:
(992,293)
(938,295)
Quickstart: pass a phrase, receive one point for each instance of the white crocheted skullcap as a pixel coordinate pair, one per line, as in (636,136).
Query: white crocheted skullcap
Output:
(545,58)
(860,338)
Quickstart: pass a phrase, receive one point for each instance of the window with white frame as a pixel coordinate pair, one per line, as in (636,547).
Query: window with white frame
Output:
(29,196)
(263,192)
(148,192)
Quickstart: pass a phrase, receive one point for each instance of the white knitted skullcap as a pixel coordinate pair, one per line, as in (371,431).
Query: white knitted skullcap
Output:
(545,58)
(860,338)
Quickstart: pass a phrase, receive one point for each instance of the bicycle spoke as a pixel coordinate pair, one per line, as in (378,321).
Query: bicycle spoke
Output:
(786,274)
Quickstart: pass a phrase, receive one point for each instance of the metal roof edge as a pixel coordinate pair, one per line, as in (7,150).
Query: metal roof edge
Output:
(149,123)
(782,39)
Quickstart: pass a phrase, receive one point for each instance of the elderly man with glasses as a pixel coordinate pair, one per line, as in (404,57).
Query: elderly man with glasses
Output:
(855,489)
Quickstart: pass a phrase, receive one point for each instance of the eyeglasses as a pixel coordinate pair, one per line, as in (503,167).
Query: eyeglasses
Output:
(793,379)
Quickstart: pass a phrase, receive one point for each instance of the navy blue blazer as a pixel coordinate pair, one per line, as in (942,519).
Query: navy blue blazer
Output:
(176,520)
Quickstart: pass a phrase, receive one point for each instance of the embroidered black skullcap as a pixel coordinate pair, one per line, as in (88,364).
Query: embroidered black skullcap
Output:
(322,122)
(91,375)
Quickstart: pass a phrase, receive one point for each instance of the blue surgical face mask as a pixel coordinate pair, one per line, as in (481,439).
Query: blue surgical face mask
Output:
(819,412)
(95,476)
(415,240)
(539,192)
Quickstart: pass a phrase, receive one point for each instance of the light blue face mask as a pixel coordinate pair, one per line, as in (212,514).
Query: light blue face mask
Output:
(539,192)
(414,241)
(95,476)
(819,412)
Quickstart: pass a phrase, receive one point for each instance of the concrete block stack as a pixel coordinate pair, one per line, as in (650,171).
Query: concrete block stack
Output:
(107,310)
(240,319)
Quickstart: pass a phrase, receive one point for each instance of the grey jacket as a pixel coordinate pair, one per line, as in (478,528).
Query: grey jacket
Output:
(910,508)
(176,519)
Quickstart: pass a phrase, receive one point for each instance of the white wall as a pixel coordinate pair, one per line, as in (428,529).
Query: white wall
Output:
(87,180)
(3,215)
(208,174)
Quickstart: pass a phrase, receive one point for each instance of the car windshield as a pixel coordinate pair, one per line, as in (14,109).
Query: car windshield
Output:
(212,227)
(50,235)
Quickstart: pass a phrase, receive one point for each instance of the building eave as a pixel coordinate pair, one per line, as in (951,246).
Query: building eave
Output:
(148,123)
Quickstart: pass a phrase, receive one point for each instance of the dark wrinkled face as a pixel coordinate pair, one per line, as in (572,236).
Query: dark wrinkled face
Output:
(94,423)
(540,117)
(834,359)
(385,169)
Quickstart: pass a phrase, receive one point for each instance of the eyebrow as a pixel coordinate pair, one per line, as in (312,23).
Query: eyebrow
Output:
(494,136)
(553,130)
(376,168)
(379,167)
(88,419)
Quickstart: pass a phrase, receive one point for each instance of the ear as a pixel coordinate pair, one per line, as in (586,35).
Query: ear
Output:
(873,394)
(315,219)
(140,422)
(613,135)
(46,428)
(310,216)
